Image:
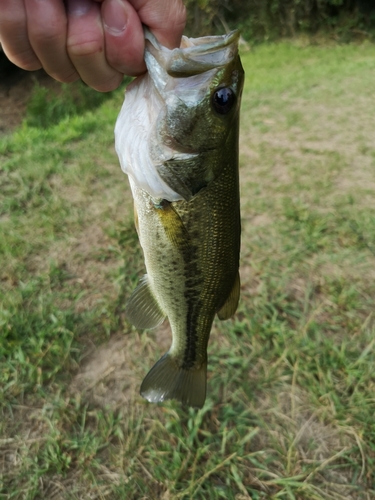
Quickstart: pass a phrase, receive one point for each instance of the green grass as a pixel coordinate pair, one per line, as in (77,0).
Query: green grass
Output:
(290,406)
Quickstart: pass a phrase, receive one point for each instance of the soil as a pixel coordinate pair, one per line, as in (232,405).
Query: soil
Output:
(16,86)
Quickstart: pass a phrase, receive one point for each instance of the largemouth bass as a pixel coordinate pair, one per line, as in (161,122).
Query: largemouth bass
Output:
(177,139)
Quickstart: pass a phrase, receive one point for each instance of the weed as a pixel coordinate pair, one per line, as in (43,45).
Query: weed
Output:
(290,405)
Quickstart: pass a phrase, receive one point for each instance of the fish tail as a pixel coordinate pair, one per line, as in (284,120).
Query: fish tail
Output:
(167,380)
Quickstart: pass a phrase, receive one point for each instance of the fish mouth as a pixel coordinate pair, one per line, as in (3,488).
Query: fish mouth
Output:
(195,55)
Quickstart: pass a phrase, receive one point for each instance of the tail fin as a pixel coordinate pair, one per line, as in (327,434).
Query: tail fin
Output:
(166,380)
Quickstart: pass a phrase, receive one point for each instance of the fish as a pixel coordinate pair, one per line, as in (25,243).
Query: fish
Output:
(177,140)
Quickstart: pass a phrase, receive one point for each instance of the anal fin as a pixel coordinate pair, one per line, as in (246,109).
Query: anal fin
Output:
(142,309)
(230,306)
(167,380)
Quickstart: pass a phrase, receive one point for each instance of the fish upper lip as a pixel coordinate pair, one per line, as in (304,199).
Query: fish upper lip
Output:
(194,56)
(213,43)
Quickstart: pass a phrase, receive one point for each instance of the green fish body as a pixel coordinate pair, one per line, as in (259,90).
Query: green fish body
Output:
(177,138)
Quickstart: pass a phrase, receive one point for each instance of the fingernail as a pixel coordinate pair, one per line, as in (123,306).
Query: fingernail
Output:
(78,7)
(114,16)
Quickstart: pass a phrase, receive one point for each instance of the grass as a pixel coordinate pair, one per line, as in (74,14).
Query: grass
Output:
(290,407)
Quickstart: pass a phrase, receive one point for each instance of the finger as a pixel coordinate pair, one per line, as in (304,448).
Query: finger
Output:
(86,46)
(14,37)
(124,39)
(47,28)
(165,18)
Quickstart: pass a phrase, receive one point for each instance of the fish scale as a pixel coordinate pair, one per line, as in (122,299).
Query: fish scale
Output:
(191,236)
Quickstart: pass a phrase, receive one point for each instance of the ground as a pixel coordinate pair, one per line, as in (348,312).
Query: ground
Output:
(16,87)
(290,406)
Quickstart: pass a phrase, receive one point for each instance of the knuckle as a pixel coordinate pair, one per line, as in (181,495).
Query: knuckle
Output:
(176,15)
(46,37)
(26,60)
(30,65)
(130,65)
(181,15)
(84,48)
(108,85)
(67,77)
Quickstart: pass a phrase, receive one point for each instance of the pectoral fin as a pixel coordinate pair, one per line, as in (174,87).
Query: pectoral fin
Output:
(142,309)
(173,226)
(230,306)
(136,222)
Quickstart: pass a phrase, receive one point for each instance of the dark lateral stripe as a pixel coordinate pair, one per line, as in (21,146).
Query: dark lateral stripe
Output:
(193,311)
(179,236)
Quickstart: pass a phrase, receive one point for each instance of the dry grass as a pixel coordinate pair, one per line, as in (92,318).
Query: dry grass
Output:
(290,406)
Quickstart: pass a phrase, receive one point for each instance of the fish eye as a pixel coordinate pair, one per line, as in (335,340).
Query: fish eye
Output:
(223,100)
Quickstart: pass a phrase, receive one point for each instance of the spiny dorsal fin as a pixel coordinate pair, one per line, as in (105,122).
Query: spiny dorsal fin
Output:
(230,306)
(142,309)
(167,380)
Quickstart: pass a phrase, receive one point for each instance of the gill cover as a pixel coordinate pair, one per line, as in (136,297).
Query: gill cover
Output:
(177,113)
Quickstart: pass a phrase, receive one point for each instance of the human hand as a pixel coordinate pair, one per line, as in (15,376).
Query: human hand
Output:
(96,40)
